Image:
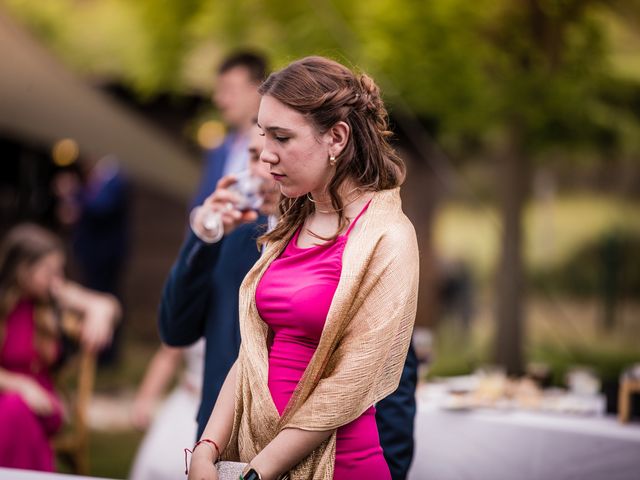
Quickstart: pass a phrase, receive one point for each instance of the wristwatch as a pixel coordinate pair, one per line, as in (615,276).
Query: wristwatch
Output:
(250,474)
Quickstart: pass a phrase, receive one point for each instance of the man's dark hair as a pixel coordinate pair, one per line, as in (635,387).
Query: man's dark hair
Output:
(255,63)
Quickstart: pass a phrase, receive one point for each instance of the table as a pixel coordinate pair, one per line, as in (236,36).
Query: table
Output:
(13,474)
(516,445)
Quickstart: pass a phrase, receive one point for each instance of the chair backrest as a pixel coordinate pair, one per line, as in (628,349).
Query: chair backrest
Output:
(628,387)
(75,383)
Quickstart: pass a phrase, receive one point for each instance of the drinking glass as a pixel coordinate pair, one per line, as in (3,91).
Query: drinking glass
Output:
(247,188)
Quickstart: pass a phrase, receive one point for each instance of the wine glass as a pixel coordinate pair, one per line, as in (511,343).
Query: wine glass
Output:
(247,188)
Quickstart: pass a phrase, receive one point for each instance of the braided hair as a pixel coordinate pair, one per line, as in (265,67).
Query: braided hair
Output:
(327,92)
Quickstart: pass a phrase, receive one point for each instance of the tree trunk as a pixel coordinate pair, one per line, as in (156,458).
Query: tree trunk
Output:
(421,193)
(513,177)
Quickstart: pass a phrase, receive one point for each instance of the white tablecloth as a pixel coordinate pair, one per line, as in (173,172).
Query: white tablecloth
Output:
(491,445)
(12,474)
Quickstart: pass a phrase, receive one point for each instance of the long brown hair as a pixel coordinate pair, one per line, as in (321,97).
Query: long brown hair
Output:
(22,247)
(327,92)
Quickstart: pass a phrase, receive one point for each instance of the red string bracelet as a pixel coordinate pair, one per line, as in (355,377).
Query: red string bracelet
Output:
(204,440)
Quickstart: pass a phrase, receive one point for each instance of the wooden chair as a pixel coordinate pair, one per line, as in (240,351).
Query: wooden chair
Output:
(628,387)
(75,383)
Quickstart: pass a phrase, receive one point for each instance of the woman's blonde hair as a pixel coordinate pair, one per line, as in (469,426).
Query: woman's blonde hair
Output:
(327,92)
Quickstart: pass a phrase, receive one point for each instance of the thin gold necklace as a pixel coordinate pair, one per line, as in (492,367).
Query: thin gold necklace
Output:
(336,210)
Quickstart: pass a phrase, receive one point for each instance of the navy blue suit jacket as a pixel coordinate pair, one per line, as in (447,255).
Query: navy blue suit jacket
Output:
(200,298)
(394,417)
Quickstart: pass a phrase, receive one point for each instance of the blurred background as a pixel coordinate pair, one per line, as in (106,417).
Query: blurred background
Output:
(519,123)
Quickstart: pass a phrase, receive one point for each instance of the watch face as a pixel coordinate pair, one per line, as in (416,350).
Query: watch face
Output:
(251,475)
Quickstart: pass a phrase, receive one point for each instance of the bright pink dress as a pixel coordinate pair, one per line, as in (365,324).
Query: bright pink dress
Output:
(24,436)
(293,297)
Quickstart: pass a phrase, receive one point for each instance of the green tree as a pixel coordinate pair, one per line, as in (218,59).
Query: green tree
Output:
(550,64)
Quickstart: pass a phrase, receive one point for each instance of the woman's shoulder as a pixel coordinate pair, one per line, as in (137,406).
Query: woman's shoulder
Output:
(389,237)
(398,239)
(389,220)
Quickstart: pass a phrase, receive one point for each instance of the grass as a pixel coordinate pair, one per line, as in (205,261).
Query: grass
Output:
(111,454)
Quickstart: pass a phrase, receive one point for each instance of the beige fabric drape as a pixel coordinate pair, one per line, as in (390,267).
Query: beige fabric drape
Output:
(362,349)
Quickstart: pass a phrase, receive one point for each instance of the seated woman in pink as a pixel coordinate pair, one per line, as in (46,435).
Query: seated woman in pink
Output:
(327,312)
(33,295)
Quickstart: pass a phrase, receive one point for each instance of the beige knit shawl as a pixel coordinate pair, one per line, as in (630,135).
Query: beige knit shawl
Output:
(362,348)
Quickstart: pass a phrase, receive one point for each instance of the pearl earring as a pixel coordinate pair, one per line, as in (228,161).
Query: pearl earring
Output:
(332,160)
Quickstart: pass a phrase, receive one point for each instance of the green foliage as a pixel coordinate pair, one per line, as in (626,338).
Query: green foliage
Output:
(165,41)
(608,263)
(567,345)
(475,67)
(456,351)
(556,236)
(608,362)
(433,55)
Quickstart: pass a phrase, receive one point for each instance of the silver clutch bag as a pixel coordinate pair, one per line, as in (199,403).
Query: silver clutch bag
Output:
(230,470)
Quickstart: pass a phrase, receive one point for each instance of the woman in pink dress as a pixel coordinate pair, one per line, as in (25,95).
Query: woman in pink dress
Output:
(32,296)
(327,312)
